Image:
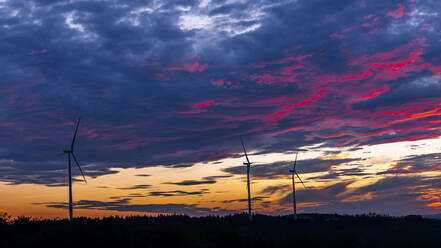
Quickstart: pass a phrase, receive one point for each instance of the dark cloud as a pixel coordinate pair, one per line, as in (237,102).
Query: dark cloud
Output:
(123,205)
(412,90)
(192,182)
(384,196)
(160,193)
(143,175)
(50,173)
(139,186)
(282,168)
(258,199)
(216,177)
(129,196)
(178,193)
(181,165)
(334,174)
(277,189)
(416,164)
(327,194)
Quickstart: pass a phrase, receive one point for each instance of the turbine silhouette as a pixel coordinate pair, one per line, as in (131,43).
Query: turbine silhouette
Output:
(70,153)
(248,164)
(293,174)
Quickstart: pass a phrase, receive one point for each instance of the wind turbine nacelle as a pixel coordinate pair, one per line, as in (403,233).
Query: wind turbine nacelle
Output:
(67,151)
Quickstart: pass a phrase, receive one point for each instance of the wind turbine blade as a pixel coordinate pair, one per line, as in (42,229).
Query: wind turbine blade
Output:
(76,161)
(295,161)
(75,134)
(245,151)
(300,180)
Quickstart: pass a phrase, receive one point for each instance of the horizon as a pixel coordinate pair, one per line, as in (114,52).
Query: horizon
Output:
(167,89)
(9,219)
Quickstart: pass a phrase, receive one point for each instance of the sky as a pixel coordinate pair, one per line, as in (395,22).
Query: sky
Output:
(166,89)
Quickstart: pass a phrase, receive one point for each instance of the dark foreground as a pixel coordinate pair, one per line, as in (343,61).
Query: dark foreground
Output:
(228,231)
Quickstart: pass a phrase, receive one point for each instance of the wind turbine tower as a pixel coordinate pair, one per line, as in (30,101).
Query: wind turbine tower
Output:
(248,164)
(70,154)
(293,174)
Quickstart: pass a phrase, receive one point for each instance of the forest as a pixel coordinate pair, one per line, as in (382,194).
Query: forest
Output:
(309,230)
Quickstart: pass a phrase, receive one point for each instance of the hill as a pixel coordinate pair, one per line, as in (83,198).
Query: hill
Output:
(433,216)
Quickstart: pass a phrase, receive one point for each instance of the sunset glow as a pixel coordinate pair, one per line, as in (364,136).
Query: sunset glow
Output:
(167,89)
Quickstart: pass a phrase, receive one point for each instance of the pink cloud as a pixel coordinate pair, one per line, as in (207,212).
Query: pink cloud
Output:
(398,13)
(203,104)
(218,83)
(195,67)
(33,52)
(197,108)
(375,93)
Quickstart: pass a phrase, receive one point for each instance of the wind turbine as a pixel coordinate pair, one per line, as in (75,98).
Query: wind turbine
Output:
(70,153)
(293,174)
(248,164)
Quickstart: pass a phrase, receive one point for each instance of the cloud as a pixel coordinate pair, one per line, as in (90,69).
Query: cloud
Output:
(137,74)
(216,177)
(326,194)
(258,199)
(335,174)
(129,196)
(192,182)
(47,172)
(412,90)
(416,164)
(204,180)
(281,168)
(181,165)
(178,193)
(123,205)
(143,175)
(277,189)
(139,186)
(383,196)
